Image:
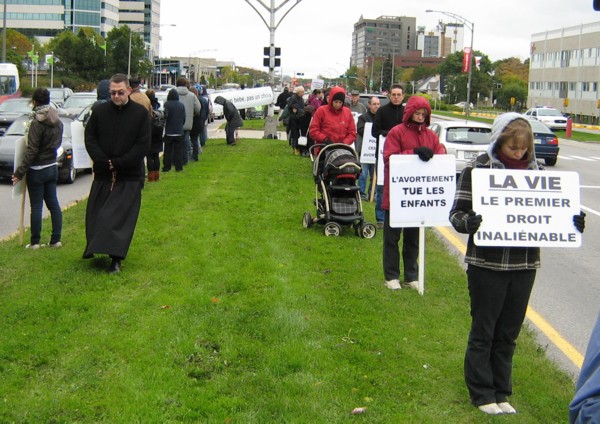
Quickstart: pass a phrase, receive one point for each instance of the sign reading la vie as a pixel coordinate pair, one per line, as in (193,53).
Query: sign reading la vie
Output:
(421,193)
(526,208)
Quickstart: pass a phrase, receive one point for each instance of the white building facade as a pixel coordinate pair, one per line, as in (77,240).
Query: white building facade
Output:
(564,71)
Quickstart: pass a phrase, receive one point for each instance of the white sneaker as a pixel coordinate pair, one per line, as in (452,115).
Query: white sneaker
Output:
(55,245)
(393,284)
(33,246)
(491,409)
(507,408)
(411,285)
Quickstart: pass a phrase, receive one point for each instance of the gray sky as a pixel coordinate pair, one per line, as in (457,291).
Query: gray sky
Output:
(315,37)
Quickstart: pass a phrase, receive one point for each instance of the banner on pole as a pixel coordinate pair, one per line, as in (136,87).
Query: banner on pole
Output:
(526,208)
(466,59)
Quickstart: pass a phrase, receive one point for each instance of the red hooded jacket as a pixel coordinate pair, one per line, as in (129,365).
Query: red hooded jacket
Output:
(337,126)
(404,138)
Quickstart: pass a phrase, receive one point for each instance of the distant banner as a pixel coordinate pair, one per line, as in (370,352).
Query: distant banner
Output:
(380,176)
(249,97)
(526,208)
(466,59)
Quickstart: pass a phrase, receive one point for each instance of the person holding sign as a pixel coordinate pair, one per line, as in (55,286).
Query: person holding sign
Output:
(500,279)
(39,164)
(367,168)
(412,137)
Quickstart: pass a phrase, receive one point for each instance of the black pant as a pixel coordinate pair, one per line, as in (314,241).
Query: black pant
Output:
(173,152)
(391,253)
(498,305)
(153,162)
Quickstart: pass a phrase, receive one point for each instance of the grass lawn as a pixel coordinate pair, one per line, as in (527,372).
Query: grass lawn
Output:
(228,311)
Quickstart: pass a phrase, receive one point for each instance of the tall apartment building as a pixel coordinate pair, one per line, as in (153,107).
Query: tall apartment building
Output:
(447,38)
(564,71)
(392,36)
(44,19)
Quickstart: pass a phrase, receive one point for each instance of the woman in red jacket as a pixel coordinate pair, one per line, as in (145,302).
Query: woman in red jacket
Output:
(333,123)
(411,137)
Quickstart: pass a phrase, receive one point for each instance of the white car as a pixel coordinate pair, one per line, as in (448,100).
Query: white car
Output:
(463,105)
(464,140)
(549,116)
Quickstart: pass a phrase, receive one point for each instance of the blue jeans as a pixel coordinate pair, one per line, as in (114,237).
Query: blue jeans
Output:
(203,133)
(367,169)
(42,188)
(187,147)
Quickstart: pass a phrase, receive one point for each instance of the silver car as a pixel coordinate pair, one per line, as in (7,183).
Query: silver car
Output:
(464,140)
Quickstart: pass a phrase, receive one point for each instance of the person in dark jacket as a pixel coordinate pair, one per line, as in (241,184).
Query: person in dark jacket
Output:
(175,117)
(156,145)
(500,279)
(282,99)
(117,137)
(39,164)
(386,118)
(232,115)
(205,108)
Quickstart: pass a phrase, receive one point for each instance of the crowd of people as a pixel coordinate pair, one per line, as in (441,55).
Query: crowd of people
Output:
(124,128)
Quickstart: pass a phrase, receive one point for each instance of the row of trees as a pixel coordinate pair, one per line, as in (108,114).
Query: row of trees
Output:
(499,81)
(83,59)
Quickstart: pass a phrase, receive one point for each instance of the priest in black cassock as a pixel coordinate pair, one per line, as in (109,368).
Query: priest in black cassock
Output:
(117,137)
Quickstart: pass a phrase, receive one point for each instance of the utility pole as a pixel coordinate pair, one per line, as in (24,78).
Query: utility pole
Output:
(271,122)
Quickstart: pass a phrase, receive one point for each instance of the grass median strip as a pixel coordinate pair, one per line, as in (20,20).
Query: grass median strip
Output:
(227,310)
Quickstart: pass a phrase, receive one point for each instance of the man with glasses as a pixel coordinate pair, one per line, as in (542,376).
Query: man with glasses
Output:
(117,138)
(386,118)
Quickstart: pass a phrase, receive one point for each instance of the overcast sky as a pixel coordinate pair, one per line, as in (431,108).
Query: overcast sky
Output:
(316,36)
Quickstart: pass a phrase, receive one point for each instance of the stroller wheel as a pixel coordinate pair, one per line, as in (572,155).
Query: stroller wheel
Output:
(307,221)
(332,229)
(368,230)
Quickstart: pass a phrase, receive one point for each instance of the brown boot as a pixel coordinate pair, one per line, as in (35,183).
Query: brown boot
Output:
(156,175)
(151,176)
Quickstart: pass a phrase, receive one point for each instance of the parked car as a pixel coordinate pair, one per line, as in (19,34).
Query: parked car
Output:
(549,116)
(545,142)
(256,112)
(464,140)
(161,96)
(66,170)
(60,95)
(11,109)
(76,102)
(364,99)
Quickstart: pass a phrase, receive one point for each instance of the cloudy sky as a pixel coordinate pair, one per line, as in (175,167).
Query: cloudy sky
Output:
(315,37)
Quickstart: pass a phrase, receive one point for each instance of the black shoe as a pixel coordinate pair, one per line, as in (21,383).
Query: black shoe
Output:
(115,266)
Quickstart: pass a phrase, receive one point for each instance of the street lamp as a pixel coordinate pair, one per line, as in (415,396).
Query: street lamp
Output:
(136,31)
(471,26)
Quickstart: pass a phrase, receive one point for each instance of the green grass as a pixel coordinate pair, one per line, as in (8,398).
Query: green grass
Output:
(228,311)
(575,135)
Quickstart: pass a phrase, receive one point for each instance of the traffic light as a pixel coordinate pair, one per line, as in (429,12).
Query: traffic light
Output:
(275,56)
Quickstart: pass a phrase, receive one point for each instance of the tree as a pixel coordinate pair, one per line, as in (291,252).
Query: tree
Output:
(386,79)
(78,57)
(512,87)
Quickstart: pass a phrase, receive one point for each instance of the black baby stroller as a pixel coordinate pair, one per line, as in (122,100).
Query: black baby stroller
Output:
(337,198)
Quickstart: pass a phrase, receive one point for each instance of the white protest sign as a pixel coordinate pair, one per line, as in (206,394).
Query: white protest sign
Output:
(421,193)
(522,208)
(369,145)
(20,147)
(355,115)
(380,165)
(317,84)
(249,97)
(81,158)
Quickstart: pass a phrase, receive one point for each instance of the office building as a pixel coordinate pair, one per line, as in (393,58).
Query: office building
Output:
(564,71)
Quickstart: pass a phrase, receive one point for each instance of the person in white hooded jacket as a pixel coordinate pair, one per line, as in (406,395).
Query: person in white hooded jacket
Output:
(500,279)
